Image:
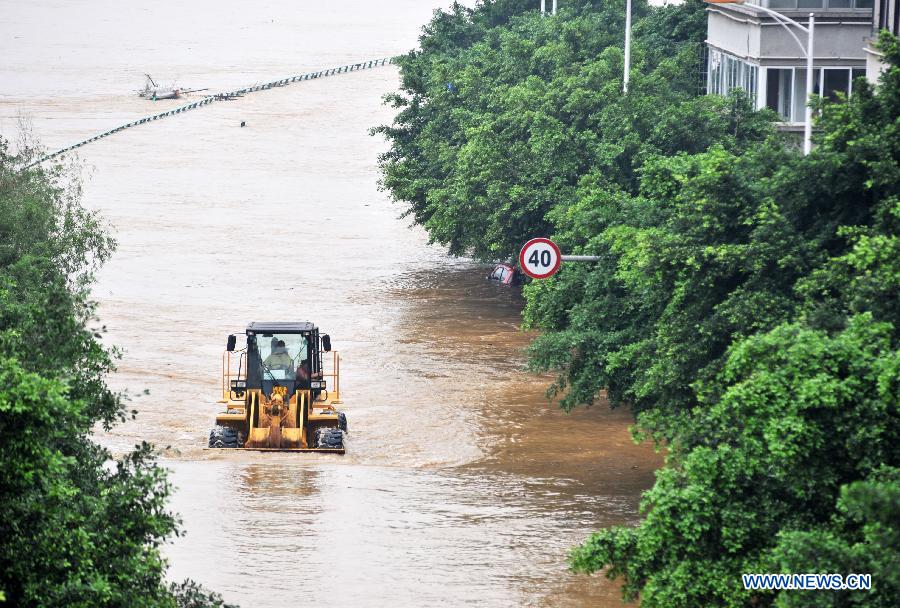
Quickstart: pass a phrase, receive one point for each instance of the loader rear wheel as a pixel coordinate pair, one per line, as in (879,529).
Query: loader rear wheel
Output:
(223,437)
(330,438)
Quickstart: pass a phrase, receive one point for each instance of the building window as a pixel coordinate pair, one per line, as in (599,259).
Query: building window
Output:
(807,4)
(786,88)
(714,77)
(779,90)
(727,72)
(888,16)
(836,81)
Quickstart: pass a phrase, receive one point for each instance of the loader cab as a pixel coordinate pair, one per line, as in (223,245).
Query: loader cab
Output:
(283,354)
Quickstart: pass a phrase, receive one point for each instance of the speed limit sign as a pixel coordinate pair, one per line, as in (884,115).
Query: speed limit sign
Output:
(540,258)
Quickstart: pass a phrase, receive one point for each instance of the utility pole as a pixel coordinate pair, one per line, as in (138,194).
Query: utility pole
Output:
(554,7)
(543,7)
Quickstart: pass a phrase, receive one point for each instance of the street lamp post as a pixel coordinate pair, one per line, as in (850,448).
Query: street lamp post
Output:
(627,46)
(784,22)
(807,126)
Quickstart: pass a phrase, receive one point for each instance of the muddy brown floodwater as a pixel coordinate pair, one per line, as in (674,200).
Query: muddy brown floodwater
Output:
(461,484)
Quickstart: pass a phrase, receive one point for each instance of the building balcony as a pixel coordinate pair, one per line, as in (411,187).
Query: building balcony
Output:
(814,5)
(745,31)
(749,49)
(781,88)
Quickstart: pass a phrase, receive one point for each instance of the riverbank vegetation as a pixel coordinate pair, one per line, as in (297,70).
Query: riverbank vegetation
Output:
(745,305)
(79,527)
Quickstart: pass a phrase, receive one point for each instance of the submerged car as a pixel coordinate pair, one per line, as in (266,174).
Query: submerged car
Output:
(505,274)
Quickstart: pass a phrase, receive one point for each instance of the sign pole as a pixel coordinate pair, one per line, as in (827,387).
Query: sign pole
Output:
(580,258)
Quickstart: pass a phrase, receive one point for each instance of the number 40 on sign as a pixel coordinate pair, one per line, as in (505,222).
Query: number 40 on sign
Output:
(540,258)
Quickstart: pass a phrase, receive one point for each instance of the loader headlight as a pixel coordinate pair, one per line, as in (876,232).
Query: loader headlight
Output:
(238,385)
(317,384)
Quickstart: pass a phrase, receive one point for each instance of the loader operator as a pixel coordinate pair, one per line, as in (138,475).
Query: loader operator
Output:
(280,358)
(303,373)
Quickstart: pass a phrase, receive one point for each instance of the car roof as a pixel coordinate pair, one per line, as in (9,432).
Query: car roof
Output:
(279,327)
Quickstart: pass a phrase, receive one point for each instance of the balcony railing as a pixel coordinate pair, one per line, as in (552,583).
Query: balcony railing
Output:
(803,5)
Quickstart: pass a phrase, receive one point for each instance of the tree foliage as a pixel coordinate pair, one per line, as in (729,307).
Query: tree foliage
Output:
(521,119)
(79,528)
(524,131)
(795,417)
(745,303)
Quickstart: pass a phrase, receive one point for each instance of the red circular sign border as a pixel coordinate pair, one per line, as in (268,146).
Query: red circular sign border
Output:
(552,271)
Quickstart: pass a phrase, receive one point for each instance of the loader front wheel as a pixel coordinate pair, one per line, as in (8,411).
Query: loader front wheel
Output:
(342,421)
(223,437)
(330,438)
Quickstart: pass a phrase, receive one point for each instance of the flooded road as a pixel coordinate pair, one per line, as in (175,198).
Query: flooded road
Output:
(461,483)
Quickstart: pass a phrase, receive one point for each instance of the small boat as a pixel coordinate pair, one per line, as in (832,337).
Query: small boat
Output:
(165,94)
(154,92)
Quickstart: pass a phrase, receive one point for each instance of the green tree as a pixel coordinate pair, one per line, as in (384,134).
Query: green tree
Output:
(535,137)
(737,279)
(79,528)
(788,463)
(861,537)
(795,418)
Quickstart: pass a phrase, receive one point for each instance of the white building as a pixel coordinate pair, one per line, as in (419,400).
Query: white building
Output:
(886,17)
(749,49)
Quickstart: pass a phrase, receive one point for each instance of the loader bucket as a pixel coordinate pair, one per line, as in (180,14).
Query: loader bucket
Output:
(285,433)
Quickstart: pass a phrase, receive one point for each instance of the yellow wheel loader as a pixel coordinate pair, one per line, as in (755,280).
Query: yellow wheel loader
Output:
(277,393)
